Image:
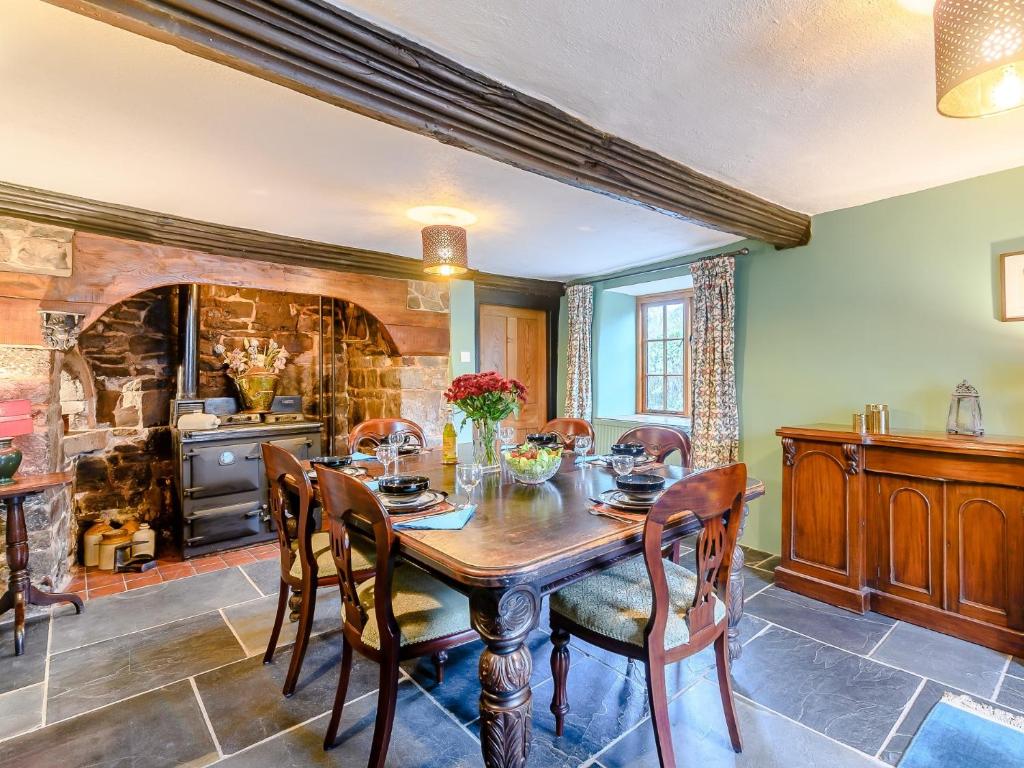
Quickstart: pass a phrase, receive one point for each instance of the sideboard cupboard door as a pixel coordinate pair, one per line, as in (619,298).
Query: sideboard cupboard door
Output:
(823,510)
(906,515)
(985,542)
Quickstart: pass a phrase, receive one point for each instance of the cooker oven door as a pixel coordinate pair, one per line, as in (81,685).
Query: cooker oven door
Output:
(216,470)
(230,517)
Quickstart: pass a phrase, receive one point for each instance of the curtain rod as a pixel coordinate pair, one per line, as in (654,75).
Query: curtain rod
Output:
(645,271)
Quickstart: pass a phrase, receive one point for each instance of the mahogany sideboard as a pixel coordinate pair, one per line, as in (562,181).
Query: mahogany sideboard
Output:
(921,526)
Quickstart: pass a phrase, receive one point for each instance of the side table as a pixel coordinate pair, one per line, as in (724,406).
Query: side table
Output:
(20,591)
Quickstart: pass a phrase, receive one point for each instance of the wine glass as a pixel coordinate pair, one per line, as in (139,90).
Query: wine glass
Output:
(397,439)
(468,476)
(387,453)
(583,445)
(507,436)
(622,465)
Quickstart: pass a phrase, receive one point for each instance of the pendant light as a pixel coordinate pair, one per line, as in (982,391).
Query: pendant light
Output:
(445,252)
(979,56)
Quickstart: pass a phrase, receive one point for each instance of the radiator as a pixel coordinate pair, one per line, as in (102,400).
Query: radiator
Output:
(608,431)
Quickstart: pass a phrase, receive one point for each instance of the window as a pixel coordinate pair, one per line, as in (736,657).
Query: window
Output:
(663,353)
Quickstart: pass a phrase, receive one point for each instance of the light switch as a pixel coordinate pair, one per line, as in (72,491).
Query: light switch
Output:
(464,357)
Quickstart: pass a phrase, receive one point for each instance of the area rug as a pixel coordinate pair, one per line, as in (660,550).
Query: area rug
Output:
(961,732)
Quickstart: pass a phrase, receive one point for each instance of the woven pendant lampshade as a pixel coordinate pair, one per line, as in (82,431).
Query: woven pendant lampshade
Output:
(444,250)
(979,56)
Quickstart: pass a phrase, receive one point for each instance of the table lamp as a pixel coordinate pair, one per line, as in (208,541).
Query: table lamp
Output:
(15,420)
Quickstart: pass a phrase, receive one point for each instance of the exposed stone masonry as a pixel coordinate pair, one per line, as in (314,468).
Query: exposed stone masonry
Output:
(35,248)
(116,387)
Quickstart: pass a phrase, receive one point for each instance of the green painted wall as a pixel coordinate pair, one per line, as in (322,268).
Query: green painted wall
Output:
(614,353)
(463,336)
(891,302)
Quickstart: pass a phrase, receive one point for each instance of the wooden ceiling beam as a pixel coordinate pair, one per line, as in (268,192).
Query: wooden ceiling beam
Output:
(336,57)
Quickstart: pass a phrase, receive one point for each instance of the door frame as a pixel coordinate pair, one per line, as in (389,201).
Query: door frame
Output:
(550,305)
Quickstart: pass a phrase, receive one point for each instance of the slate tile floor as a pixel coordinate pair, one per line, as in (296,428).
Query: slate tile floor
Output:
(171,674)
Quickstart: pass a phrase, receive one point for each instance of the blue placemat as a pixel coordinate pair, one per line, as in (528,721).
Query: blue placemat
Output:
(448,521)
(373,485)
(358,456)
(588,459)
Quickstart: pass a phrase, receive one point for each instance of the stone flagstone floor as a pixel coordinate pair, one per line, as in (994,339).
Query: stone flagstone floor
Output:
(170,674)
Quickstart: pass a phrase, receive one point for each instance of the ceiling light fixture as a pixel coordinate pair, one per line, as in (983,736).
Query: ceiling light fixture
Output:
(445,251)
(441,214)
(979,56)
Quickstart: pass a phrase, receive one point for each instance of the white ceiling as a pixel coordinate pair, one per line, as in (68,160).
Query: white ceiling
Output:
(814,104)
(98,112)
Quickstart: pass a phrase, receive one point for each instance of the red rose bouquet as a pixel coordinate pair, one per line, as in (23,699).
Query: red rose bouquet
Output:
(485,399)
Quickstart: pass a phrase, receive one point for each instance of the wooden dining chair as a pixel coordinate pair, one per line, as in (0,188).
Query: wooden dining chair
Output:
(569,429)
(660,442)
(401,613)
(376,431)
(306,562)
(651,609)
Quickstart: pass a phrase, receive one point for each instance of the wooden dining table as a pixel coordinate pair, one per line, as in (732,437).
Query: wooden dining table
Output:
(523,542)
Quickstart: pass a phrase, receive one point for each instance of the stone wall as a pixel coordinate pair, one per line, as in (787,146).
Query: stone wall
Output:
(231,316)
(122,453)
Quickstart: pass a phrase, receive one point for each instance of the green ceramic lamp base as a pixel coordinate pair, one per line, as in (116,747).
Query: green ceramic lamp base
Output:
(10,460)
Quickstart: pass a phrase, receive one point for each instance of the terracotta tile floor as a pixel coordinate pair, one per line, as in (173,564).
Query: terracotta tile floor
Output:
(92,582)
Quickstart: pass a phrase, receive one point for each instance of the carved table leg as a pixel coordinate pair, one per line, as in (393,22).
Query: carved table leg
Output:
(295,604)
(20,592)
(735,603)
(504,619)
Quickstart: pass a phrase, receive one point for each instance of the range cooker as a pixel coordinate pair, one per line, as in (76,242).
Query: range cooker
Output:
(222,488)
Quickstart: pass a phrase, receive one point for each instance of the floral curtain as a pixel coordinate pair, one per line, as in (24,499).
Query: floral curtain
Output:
(716,425)
(581,317)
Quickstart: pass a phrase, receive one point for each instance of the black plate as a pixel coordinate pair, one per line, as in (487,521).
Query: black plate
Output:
(543,438)
(403,485)
(640,484)
(332,461)
(628,449)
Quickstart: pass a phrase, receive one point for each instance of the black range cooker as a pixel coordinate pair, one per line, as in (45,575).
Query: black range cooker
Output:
(222,487)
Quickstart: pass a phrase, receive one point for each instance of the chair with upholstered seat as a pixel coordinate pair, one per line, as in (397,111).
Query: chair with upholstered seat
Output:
(660,442)
(569,429)
(306,561)
(400,613)
(372,432)
(656,611)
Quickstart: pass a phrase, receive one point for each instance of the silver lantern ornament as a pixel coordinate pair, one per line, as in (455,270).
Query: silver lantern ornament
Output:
(965,411)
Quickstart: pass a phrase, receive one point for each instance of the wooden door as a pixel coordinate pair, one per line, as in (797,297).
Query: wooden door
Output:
(514,342)
(906,517)
(984,542)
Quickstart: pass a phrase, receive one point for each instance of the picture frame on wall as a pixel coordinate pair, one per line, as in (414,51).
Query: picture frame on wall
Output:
(1011,282)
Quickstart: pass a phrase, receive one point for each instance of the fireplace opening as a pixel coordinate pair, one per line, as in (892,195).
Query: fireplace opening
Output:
(117,388)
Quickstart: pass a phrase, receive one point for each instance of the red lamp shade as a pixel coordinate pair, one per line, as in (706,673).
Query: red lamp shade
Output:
(15,418)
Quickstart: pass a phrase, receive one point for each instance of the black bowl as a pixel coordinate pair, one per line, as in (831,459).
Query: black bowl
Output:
(332,461)
(640,484)
(636,450)
(543,438)
(403,485)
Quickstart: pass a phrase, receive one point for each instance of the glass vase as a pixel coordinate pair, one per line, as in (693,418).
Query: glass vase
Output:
(485,445)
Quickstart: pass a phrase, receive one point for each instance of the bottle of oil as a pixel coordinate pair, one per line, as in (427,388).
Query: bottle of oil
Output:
(449,439)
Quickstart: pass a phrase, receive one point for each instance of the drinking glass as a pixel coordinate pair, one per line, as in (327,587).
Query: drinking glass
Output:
(622,465)
(386,454)
(397,439)
(507,436)
(468,476)
(583,445)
